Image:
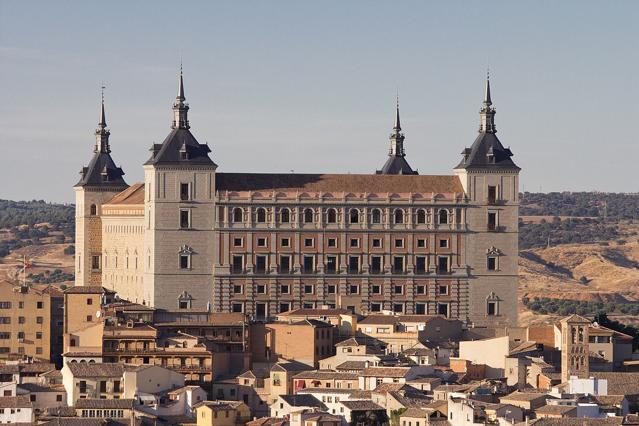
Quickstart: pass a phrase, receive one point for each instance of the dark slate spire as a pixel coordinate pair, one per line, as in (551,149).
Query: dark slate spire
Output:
(102,133)
(396,163)
(180,108)
(102,171)
(487,152)
(180,147)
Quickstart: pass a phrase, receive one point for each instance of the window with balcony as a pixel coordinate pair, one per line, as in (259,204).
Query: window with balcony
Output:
(354,216)
(185,192)
(353,265)
(308,216)
(398,265)
(285,264)
(260,264)
(399,216)
(331,216)
(443,216)
(376,265)
(285,216)
(442,264)
(237,266)
(331,264)
(309,264)
(261,215)
(376,216)
(237,215)
(421,217)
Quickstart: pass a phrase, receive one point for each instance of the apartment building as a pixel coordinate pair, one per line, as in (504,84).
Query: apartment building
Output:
(30,322)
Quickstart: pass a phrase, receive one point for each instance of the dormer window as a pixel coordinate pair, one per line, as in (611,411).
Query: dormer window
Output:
(490,155)
(184,154)
(105,176)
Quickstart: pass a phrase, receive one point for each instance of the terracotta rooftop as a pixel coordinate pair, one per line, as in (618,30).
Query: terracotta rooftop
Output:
(394,319)
(620,383)
(87,289)
(556,409)
(417,413)
(326,375)
(385,372)
(523,396)
(134,194)
(21,401)
(362,405)
(354,183)
(302,312)
(85,369)
(104,403)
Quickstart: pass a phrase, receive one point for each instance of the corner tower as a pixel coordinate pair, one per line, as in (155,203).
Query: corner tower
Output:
(99,182)
(491,182)
(396,163)
(179,212)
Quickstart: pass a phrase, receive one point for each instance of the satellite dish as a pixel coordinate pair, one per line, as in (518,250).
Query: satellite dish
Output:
(98,314)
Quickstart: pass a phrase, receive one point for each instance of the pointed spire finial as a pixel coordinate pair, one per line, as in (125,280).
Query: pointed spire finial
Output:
(180,95)
(397,126)
(102,122)
(487,100)
(180,108)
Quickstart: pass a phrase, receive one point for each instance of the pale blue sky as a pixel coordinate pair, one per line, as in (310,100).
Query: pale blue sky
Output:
(310,86)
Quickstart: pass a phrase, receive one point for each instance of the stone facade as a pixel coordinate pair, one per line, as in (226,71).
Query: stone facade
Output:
(263,244)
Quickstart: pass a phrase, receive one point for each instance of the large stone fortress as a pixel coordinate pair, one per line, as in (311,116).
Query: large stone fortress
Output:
(190,237)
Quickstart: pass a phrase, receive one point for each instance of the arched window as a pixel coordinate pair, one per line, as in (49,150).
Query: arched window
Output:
(399,216)
(261,215)
(285,216)
(237,214)
(308,216)
(354,216)
(94,210)
(443,216)
(376,216)
(421,216)
(331,216)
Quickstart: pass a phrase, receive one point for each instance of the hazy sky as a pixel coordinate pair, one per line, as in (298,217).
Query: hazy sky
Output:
(310,86)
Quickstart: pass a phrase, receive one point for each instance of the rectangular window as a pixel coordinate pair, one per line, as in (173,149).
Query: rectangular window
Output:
(354,243)
(260,289)
(285,264)
(331,289)
(376,307)
(308,289)
(237,307)
(492,221)
(442,264)
(95,263)
(492,194)
(238,265)
(103,386)
(331,264)
(332,242)
(285,307)
(442,309)
(308,242)
(237,289)
(309,264)
(421,243)
(260,264)
(398,265)
(116,386)
(443,243)
(399,243)
(420,289)
(261,242)
(420,265)
(377,242)
(185,218)
(83,386)
(420,308)
(39,320)
(185,261)
(398,289)
(21,320)
(185,193)
(4,335)
(376,289)
(442,290)
(89,301)
(286,242)
(353,289)
(491,263)
(492,308)
(353,265)
(376,265)
(237,242)
(5,305)
(398,308)
(285,289)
